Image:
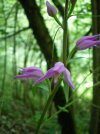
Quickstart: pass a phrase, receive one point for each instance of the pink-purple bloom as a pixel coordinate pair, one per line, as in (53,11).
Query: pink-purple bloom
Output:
(30,73)
(88,42)
(51,9)
(36,74)
(55,72)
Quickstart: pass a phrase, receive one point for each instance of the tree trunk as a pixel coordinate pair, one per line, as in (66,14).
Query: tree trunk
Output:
(40,31)
(95,113)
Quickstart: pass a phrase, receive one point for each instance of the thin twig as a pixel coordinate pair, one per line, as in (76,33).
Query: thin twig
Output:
(15,33)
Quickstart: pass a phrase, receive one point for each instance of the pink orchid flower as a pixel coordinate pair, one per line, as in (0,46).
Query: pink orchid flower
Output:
(30,73)
(55,72)
(88,42)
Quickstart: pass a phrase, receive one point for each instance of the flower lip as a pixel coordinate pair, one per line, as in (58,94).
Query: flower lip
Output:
(30,69)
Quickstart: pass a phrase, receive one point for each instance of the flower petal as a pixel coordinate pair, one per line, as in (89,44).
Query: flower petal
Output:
(30,73)
(92,38)
(68,78)
(50,73)
(53,72)
(30,69)
(59,67)
(87,42)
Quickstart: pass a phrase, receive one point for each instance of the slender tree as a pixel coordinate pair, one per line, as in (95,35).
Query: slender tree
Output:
(95,113)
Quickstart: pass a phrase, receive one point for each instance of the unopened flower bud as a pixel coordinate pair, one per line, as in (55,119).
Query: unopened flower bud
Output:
(51,9)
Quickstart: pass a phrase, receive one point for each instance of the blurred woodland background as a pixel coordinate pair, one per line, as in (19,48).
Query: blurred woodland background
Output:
(27,35)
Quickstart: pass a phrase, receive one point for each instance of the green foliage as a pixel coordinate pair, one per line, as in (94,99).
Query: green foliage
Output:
(20,103)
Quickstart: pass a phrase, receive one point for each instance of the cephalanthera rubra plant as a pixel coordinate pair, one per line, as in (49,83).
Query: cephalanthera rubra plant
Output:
(59,71)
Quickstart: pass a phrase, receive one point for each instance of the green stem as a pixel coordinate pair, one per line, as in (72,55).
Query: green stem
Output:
(53,46)
(71,54)
(65,33)
(57,20)
(66,106)
(47,106)
(71,10)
